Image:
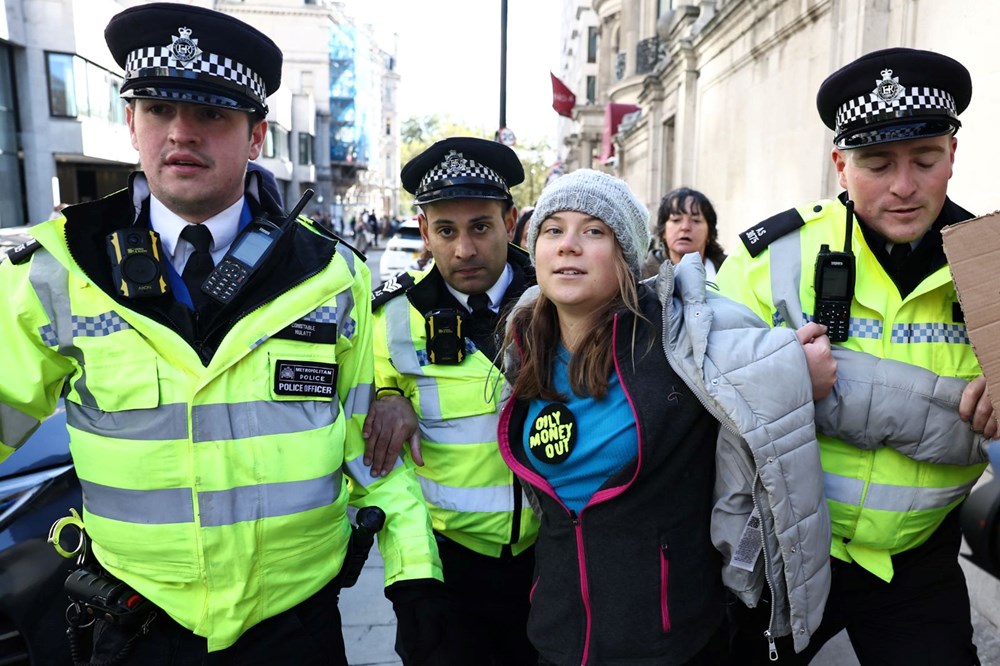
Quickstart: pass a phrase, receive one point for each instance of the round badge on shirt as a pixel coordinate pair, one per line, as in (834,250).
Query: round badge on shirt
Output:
(553,434)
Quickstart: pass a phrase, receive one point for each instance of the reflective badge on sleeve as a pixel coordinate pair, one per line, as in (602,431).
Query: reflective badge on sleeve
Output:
(310,379)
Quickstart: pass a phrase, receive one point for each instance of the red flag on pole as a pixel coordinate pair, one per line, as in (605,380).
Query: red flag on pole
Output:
(563,99)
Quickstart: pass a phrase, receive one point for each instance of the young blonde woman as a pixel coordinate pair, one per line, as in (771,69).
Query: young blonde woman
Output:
(617,390)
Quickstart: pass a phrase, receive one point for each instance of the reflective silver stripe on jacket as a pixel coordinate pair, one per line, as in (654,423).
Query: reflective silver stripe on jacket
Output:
(347,254)
(260,418)
(904,498)
(488,499)
(466,430)
(360,473)
(885,497)
(50,281)
(785,272)
(267,500)
(211,423)
(843,489)
(216,508)
(15,426)
(358,400)
(157,424)
(401,348)
(148,507)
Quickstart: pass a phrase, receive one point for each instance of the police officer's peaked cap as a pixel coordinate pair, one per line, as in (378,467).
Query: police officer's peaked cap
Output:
(462,168)
(190,54)
(894,95)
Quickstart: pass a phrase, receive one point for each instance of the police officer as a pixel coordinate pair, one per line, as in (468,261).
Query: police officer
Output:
(435,360)
(896,582)
(211,437)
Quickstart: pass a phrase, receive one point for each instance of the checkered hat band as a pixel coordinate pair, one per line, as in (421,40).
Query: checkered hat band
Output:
(470,172)
(869,108)
(213,67)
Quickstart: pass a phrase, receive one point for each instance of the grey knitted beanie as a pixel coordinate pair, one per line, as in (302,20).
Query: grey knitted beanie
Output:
(605,197)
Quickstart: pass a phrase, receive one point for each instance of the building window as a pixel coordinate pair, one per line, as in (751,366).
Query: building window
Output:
(388,129)
(591,90)
(78,88)
(620,66)
(62,86)
(276,142)
(592,44)
(12,209)
(305,149)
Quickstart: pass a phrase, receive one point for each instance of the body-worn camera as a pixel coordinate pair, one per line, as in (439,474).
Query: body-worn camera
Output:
(136,263)
(445,338)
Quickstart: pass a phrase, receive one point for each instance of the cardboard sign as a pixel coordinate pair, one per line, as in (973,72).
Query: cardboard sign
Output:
(973,251)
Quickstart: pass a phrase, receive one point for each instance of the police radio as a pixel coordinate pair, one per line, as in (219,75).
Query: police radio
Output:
(834,285)
(248,252)
(136,266)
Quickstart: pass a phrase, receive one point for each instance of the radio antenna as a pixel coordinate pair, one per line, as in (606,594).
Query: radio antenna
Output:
(850,226)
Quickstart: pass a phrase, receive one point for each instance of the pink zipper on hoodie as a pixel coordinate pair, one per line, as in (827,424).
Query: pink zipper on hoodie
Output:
(537,480)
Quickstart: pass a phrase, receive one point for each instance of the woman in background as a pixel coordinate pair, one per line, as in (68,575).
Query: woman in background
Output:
(686,222)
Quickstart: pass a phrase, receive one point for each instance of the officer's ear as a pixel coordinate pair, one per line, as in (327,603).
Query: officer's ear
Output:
(510,219)
(424,230)
(258,130)
(840,162)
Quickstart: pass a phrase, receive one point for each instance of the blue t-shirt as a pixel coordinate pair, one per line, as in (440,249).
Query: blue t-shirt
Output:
(579,444)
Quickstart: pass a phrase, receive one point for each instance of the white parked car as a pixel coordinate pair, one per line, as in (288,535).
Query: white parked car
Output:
(402,251)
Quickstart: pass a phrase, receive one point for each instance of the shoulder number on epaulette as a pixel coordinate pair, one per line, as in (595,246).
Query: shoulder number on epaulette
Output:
(388,290)
(21,253)
(758,237)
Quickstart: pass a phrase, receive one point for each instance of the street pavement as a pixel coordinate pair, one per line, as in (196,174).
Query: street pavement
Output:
(370,625)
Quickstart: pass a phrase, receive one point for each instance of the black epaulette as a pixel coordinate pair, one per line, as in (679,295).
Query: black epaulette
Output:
(21,253)
(391,288)
(758,237)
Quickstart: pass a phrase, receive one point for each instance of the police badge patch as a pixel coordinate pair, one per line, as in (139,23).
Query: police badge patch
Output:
(888,89)
(307,379)
(455,163)
(183,49)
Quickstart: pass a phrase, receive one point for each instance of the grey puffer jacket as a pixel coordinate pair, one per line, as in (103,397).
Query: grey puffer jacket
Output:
(763,461)
(770,520)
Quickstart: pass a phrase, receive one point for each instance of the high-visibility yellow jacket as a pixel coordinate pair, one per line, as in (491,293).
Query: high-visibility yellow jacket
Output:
(473,496)
(881,502)
(216,489)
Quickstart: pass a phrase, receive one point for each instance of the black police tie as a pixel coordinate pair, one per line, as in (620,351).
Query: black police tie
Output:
(199,264)
(897,257)
(481,331)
